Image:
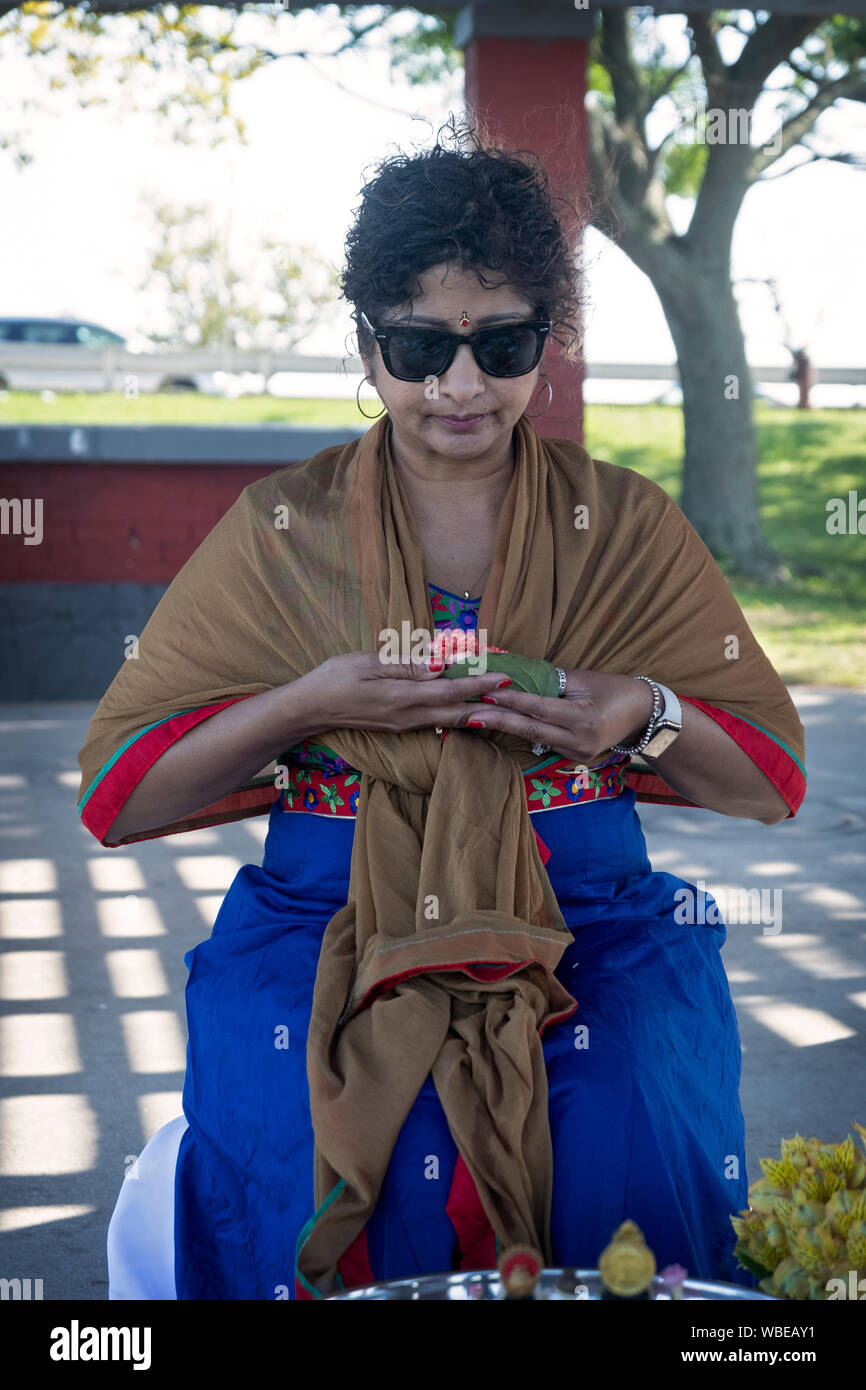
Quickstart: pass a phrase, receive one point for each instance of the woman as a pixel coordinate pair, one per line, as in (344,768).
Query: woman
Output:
(455,1008)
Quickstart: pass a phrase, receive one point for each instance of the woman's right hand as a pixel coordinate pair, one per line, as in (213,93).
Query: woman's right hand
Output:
(356,690)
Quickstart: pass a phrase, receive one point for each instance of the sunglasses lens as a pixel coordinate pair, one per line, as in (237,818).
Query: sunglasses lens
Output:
(508,351)
(415,354)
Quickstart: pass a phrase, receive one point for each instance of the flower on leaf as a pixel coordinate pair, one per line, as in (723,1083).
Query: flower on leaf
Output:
(545,790)
(330,795)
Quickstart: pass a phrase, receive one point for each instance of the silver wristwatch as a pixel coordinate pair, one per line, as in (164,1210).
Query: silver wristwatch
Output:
(665,722)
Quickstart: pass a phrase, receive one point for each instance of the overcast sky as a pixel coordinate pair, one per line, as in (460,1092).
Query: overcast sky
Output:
(75,231)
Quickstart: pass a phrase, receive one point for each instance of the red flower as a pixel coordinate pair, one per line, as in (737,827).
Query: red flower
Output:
(457,644)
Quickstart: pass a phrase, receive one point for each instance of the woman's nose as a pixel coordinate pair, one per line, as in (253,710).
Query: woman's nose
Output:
(464,374)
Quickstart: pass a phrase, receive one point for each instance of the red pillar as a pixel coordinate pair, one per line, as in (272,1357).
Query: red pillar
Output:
(528,93)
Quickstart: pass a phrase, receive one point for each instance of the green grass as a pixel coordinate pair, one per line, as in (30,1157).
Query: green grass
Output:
(181,408)
(811,627)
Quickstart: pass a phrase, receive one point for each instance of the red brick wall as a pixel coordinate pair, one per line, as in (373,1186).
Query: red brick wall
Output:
(530,94)
(131,523)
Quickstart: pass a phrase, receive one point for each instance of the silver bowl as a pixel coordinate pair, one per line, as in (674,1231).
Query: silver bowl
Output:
(486,1284)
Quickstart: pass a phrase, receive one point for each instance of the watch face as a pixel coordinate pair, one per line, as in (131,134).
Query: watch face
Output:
(661,741)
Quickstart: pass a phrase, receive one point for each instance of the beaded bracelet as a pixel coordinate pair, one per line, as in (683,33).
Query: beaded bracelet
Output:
(653,720)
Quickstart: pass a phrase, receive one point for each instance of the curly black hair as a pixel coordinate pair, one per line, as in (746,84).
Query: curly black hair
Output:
(478,207)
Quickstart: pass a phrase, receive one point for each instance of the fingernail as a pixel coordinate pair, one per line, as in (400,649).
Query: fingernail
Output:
(499,684)
(475,724)
(434,665)
(488,699)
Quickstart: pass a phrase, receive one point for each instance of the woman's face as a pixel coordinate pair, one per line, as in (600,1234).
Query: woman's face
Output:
(418,409)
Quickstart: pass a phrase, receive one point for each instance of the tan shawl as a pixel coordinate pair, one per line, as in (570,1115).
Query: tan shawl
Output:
(442,960)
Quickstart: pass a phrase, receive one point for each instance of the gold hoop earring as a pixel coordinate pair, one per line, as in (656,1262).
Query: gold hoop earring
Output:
(358,402)
(549,399)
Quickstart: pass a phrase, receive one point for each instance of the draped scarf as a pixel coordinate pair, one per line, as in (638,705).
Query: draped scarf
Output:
(442,960)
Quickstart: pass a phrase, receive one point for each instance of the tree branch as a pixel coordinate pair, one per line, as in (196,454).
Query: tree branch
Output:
(769,46)
(644,229)
(617,55)
(361,96)
(633,99)
(851,161)
(703,30)
(664,87)
(851,86)
(806,73)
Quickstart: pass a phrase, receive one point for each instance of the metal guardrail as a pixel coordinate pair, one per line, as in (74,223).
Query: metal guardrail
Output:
(118,364)
(168,444)
(121,363)
(823,376)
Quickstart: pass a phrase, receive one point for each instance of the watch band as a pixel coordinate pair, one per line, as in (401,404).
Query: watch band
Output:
(667,727)
(665,723)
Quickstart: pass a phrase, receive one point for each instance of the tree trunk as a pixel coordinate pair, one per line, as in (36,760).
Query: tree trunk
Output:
(720,484)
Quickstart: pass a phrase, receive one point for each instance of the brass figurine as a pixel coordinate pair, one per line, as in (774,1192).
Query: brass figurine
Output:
(627,1266)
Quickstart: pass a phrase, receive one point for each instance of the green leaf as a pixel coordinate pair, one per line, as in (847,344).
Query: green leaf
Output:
(529,674)
(684,167)
(747,1261)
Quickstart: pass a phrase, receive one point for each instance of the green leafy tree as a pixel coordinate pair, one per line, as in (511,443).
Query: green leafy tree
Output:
(210,301)
(803,63)
(810,64)
(183,62)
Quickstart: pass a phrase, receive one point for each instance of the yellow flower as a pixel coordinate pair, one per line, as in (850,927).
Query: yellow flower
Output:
(789,1280)
(781,1174)
(806,1220)
(857,1245)
(797,1146)
(845,1156)
(805,1213)
(815,1247)
(840,1211)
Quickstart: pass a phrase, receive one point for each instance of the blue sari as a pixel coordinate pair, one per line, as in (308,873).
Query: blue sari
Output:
(643,1079)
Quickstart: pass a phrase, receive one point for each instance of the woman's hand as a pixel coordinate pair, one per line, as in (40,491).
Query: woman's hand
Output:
(358,691)
(596,711)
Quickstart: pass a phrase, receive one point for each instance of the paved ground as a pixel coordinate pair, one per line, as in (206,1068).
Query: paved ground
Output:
(92,1037)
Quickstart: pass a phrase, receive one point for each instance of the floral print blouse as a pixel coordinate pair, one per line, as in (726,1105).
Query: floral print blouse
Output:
(449,611)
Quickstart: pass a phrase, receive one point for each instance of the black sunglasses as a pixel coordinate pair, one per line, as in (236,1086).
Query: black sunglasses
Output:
(413,354)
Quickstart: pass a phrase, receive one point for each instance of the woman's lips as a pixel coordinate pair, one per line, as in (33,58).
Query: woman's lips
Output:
(455,423)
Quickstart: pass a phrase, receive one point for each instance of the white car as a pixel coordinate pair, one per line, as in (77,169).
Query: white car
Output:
(63,354)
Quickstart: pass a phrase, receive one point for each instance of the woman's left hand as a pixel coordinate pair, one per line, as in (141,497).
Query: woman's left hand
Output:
(596,711)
